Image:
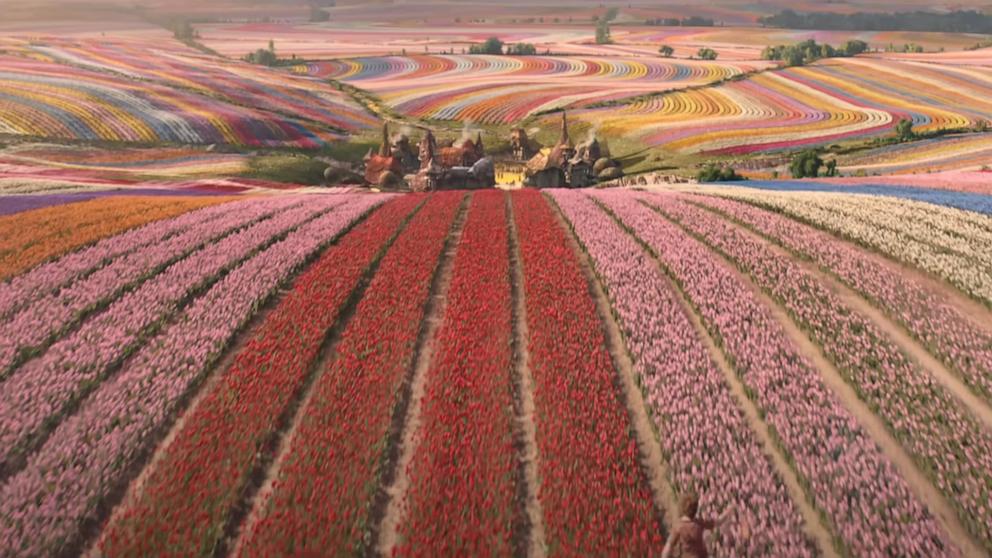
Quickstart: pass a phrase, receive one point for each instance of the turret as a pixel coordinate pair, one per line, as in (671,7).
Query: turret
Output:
(564,140)
(386,150)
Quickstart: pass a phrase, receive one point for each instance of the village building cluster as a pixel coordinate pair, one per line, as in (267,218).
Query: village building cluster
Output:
(465,163)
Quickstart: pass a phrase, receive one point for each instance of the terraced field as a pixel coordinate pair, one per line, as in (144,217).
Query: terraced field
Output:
(565,363)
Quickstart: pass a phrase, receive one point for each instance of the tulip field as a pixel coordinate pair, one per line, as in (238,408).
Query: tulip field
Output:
(506,89)
(496,373)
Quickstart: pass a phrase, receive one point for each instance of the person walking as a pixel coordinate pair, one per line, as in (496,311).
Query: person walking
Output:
(686,540)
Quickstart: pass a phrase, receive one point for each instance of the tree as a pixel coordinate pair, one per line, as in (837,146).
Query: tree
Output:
(904,130)
(522,49)
(265,57)
(707,54)
(715,173)
(492,46)
(855,47)
(806,165)
(603,33)
(832,167)
(666,51)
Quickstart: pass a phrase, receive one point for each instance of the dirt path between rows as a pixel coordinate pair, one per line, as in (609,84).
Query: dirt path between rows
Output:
(530,528)
(813,523)
(259,490)
(966,305)
(898,334)
(216,373)
(917,482)
(653,464)
(389,508)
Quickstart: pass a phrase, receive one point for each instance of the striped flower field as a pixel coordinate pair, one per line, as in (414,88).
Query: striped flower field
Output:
(505,89)
(496,373)
(124,92)
(824,103)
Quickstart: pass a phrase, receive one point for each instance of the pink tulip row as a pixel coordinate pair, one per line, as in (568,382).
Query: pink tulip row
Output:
(91,455)
(30,329)
(709,445)
(872,509)
(945,439)
(39,392)
(962,343)
(25,289)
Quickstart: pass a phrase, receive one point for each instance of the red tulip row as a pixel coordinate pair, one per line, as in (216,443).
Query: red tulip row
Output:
(189,495)
(594,496)
(461,496)
(320,500)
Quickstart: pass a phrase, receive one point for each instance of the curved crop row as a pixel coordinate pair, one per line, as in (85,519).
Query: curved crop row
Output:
(221,441)
(707,440)
(964,345)
(502,89)
(952,153)
(950,444)
(973,279)
(234,81)
(50,100)
(100,165)
(462,490)
(593,492)
(49,504)
(30,238)
(41,320)
(870,505)
(62,272)
(830,101)
(36,395)
(321,497)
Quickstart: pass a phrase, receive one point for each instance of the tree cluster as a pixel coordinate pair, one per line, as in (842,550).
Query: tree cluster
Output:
(707,54)
(716,173)
(264,56)
(959,21)
(694,21)
(494,45)
(603,32)
(808,51)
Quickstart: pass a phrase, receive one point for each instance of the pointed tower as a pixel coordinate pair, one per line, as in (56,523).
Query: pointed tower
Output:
(386,150)
(478,146)
(427,148)
(564,140)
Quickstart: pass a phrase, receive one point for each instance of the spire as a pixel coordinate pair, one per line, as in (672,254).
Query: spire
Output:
(478,145)
(427,147)
(386,150)
(564,140)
